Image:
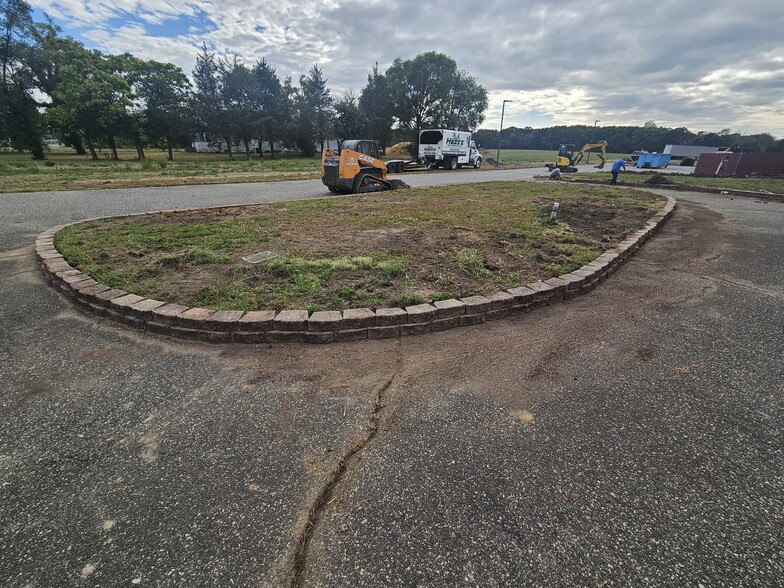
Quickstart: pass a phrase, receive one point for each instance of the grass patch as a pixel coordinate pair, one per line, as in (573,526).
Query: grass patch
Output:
(386,249)
(64,170)
(538,157)
(772,185)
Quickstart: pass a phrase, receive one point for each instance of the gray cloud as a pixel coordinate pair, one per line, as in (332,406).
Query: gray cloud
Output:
(703,65)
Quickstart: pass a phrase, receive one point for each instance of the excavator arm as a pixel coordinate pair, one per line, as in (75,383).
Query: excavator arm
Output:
(590,148)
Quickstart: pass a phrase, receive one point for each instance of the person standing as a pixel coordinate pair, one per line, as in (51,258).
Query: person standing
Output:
(616,167)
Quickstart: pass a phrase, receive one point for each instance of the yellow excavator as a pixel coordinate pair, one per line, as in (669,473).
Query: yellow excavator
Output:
(355,167)
(567,159)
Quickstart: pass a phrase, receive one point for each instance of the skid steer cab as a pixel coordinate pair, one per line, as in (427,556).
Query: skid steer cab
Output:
(355,168)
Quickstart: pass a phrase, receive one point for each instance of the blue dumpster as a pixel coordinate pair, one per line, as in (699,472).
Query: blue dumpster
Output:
(653,160)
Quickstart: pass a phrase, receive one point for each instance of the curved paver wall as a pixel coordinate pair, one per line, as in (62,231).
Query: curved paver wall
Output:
(264,326)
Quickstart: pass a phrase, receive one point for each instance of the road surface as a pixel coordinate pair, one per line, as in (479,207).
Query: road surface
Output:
(629,437)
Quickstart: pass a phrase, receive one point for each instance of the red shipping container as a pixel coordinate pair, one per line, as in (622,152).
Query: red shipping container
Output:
(740,164)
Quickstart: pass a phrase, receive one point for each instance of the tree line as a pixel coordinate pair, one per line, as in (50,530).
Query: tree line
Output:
(623,139)
(53,85)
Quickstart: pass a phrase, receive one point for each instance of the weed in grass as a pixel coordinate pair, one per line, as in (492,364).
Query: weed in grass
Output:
(190,256)
(346,294)
(325,268)
(120,278)
(472,261)
(370,301)
(391,268)
(306,284)
(443,295)
(403,300)
(234,295)
(342,264)
(200,256)
(148,164)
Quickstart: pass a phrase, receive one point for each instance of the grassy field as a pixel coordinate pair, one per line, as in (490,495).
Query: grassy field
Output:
(379,249)
(64,170)
(772,185)
(534,158)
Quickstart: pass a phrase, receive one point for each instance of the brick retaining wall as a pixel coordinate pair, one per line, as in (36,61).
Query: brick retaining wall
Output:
(263,326)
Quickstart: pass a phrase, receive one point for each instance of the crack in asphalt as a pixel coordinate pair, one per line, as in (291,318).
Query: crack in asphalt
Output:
(745,284)
(324,497)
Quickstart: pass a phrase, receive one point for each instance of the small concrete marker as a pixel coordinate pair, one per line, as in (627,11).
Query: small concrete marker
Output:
(260,256)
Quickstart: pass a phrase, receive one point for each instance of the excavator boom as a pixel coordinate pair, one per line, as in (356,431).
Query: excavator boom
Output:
(588,148)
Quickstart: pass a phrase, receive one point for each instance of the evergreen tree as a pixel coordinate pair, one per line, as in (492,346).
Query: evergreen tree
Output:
(239,99)
(273,105)
(316,104)
(349,123)
(375,107)
(208,106)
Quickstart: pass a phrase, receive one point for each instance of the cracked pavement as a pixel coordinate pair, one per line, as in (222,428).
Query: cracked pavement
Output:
(629,437)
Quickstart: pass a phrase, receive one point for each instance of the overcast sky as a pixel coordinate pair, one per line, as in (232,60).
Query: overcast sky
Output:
(703,64)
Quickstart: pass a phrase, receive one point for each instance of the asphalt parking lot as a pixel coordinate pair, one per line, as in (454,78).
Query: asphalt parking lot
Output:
(628,437)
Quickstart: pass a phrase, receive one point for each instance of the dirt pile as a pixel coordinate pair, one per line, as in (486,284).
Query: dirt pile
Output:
(658,180)
(399,149)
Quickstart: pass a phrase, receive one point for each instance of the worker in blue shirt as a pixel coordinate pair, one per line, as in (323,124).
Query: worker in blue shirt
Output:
(616,167)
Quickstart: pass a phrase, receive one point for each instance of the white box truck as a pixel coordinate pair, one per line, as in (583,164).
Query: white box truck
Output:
(441,148)
(448,149)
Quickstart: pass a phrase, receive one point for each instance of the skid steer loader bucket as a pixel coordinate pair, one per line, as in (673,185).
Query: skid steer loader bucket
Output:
(399,185)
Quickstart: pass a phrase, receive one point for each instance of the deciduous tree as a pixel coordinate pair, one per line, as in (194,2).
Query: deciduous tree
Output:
(164,90)
(429,91)
(21,123)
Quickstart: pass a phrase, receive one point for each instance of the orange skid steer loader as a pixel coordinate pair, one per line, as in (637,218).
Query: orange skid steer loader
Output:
(355,167)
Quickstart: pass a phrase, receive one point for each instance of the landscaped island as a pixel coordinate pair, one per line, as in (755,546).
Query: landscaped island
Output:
(376,250)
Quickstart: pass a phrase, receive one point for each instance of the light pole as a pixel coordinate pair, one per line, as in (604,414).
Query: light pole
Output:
(498,154)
